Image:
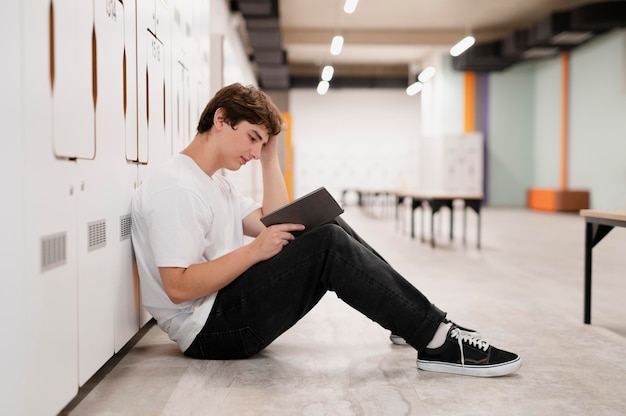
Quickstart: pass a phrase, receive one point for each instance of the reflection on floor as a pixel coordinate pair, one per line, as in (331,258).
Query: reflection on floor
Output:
(523,290)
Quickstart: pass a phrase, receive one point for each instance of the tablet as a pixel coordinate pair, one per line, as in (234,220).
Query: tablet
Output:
(312,209)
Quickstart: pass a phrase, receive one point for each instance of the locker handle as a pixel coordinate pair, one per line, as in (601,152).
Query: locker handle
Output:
(147,96)
(164,99)
(94,67)
(124,80)
(51,40)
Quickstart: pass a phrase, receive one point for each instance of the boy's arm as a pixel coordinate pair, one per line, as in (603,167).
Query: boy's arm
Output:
(199,280)
(274,189)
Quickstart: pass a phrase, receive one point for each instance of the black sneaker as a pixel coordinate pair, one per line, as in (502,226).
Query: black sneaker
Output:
(398,340)
(465,354)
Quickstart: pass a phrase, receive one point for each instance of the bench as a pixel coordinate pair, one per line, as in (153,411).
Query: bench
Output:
(370,199)
(597,225)
(436,202)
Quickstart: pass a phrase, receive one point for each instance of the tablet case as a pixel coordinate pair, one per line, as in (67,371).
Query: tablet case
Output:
(312,209)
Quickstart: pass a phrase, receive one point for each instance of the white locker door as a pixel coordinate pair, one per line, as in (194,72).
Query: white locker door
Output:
(145,29)
(49,206)
(152,144)
(72,75)
(105,187)
(125,285)
(162,19)
(180,108)
(130,100)
(159,146)
(144,315)
(146,15)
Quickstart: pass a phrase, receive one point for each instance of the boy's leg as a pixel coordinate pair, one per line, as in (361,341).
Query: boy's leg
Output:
(273,295)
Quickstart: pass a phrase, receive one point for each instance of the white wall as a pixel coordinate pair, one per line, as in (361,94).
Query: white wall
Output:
(511,132)
(597,104)
(547,122)
(353,138)
(597,143)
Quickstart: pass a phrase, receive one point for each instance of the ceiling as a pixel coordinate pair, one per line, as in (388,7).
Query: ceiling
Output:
(289,40)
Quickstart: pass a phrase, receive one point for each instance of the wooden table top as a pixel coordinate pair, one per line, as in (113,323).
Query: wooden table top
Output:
(616,215)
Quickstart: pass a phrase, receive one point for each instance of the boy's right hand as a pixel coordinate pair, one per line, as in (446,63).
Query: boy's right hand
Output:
(271,240)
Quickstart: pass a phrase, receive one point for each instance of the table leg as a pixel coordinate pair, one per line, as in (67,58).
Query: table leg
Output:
(475,205)
(422,223)
(464,224)
(478,230)
(588,248)
(432,225)
(451,221)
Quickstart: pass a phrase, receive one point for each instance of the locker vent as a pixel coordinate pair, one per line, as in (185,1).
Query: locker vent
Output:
(53,251)
(125,223)
(97,234)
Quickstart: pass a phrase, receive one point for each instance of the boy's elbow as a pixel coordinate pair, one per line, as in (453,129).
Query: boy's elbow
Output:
(171,279)
(175,296)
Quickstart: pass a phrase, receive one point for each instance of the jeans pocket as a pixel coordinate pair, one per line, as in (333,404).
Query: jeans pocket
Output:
(226,345)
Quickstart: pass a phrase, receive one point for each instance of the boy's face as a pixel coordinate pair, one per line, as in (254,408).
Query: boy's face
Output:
(245,143)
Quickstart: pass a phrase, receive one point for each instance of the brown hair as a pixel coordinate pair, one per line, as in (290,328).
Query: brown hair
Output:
(242,104)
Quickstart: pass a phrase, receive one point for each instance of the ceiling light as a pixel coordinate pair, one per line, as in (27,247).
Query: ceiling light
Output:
(426,74)
(336,45)
(539,52)
(570,38)
(463,45)
(350,6)
(322,87)
(414,88)
(327,73)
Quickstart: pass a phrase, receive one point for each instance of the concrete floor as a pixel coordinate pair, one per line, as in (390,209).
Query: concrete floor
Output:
(523,290)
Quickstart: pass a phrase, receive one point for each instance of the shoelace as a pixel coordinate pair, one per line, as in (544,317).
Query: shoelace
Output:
(467,337)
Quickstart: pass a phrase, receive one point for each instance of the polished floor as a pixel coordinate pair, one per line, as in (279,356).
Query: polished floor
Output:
(523,290)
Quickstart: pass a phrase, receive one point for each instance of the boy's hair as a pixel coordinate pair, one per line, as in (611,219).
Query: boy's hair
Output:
(242,103)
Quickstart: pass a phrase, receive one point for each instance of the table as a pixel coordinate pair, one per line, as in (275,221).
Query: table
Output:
(598,224)
(436,202)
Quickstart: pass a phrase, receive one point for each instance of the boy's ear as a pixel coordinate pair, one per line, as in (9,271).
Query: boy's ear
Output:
(218,119)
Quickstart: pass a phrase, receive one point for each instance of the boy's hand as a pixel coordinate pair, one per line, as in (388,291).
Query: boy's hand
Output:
(271,240)
(270,150)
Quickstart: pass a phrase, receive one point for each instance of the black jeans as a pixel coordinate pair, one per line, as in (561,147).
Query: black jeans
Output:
(271,296)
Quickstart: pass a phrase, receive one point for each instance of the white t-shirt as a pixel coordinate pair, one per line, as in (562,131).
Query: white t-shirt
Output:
(181,216)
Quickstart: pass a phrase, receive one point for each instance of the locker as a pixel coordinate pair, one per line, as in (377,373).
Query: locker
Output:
(162,19)
(72,78)
(180,107)
(49,204)
(152,140)
(103,198)
(96,82)
(130,98)
(180,77)
(216,58)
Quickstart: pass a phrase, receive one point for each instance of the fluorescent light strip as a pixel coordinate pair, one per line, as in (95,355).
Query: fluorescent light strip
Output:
(322,87)
(327,73)
(463,45)
(336,45)
(426,74)
(350,6)
(414,88)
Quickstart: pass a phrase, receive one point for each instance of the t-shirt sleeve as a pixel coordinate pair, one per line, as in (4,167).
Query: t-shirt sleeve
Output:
(178,226)
(246,204)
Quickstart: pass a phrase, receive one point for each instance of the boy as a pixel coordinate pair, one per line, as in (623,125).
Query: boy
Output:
(219,298)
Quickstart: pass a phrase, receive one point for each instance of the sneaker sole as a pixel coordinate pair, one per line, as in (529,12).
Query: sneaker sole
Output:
(398,340)
(495,370)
